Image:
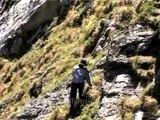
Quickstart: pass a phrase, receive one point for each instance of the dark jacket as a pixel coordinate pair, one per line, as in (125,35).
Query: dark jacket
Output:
(80,75)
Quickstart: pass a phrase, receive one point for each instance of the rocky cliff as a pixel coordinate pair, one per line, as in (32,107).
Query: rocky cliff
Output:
(22,23)
(42,40)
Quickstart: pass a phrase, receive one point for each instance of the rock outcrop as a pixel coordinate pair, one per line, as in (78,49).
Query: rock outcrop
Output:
(124,46)
(130,61)
(39,108)
(114,93)
(19,24)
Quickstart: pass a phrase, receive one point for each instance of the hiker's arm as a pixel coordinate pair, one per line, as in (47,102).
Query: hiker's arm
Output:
(69,83)
(88,78)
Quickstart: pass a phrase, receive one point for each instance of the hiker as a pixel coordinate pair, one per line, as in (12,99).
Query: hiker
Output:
(80,75)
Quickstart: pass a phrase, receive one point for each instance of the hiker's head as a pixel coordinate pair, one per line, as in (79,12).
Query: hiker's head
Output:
(83,62)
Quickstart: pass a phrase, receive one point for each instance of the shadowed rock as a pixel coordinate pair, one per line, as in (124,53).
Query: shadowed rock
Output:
(122,77)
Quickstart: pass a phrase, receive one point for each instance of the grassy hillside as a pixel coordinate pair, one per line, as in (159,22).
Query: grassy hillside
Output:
(62,50)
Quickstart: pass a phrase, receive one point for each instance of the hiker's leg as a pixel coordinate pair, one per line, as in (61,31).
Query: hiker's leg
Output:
(73,95)
(80,89)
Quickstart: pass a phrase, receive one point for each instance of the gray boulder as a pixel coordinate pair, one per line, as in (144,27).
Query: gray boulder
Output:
(125,45)
(25,16)
(130,58)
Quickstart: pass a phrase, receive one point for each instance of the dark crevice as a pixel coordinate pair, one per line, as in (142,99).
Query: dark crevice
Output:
(111,95)
(145,66)
(79,19)
(27,117)
(113,70)
(154,50)
(129,49)
(91,46)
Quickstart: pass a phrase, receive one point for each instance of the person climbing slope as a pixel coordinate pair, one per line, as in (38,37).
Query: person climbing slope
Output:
(80,75)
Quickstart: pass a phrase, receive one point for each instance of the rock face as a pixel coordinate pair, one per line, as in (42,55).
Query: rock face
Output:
(131,59)
(111,104)
(22,20)
(125,46)
(38,108)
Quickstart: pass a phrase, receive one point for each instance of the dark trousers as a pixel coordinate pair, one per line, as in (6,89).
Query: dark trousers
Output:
(73,93)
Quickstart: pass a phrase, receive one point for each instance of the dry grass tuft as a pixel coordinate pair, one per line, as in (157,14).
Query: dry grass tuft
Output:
(131,103)
(149,103)
(59,113)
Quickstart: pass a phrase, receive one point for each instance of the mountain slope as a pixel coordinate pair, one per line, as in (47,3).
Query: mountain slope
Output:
(52,57)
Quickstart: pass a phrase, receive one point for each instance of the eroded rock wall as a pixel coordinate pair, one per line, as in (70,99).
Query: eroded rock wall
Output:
(21,22)
(130,63)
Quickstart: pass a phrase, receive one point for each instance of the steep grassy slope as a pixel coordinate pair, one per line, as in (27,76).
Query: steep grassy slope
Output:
(61,51)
